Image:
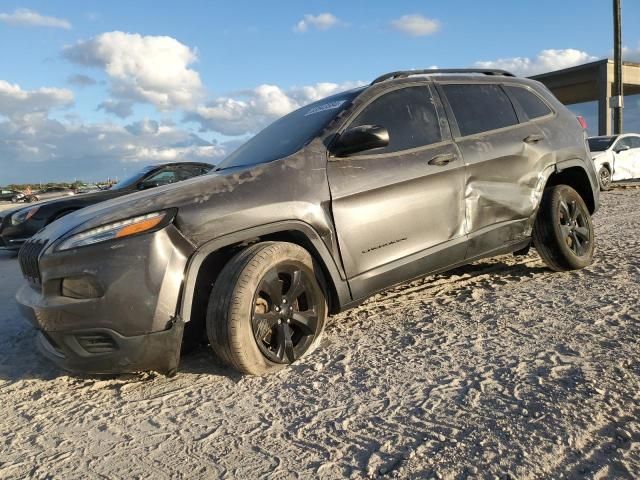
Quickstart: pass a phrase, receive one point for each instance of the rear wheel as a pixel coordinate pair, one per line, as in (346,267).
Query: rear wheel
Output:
(267,308)
(604,178)
(563,232)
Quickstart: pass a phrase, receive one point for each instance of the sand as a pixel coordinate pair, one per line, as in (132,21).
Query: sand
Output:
(502,369)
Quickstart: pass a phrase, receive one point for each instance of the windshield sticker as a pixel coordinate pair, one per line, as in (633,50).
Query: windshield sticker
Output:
(325,107)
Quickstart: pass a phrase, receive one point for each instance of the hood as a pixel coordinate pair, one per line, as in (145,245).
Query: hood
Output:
(596,155)
(193,191)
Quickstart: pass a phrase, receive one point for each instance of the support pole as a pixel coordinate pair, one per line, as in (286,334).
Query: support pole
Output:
(617,73)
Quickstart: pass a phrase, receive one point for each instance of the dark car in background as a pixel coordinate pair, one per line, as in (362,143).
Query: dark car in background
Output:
(19,225)
(50,193)
(7,195)
(419,172)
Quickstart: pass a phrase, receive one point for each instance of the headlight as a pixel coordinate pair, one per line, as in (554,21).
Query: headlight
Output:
(23,215)
(115,230)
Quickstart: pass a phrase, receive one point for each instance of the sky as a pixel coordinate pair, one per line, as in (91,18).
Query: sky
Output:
(94,89)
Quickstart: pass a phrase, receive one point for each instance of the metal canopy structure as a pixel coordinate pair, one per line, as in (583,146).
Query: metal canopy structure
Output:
(589,82)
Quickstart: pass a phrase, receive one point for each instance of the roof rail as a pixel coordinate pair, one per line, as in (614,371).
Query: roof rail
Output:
(408,73)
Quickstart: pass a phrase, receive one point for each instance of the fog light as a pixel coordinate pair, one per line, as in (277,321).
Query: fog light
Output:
(81,287)
(97,343)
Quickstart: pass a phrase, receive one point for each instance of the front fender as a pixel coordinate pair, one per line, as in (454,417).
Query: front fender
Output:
(195,262)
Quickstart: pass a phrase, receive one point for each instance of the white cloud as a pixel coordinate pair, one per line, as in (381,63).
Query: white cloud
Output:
(16,102)
(416,25)
(630,54)
(149,69)
(119,108)
(323,21)
(252,110)
(545,61)
(29,18)
(143,127)
(80,80)
(42,149)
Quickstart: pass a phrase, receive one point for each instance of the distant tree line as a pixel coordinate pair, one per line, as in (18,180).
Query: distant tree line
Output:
(41,186)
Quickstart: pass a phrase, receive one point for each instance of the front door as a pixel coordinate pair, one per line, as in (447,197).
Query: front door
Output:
(395,207)
(626,163)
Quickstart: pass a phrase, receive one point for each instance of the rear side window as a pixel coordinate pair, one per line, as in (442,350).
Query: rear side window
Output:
(480,108)
(408,114)
(532,105)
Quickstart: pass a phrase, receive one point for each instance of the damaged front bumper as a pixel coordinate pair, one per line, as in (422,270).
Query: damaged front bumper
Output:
(110,307)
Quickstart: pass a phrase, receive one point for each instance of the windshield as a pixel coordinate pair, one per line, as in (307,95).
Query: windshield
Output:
(600,144)
(290,133)
(133,179)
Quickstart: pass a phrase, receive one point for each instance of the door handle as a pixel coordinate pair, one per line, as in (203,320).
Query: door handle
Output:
(442,159)
(533,138)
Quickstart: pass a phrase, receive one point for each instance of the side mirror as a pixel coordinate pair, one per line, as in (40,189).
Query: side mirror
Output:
(360,139)
(622,148)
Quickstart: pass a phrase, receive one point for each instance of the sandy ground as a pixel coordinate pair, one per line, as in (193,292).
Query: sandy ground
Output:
(502,369)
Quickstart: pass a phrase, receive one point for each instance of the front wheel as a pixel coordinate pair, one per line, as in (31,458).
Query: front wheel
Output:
(563,232)
(604,178)
(267,308)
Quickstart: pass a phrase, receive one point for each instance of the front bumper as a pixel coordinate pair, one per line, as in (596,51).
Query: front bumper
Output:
(109,307)
(103,351)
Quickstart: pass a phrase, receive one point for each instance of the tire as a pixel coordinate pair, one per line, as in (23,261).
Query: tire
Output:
(31,199)
(256,322)
(563,232)
(604,178)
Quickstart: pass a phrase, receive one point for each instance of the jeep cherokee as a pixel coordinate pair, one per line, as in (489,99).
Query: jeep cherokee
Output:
(416,173)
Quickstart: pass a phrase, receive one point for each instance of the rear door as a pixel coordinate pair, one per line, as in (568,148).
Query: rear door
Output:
(505,152)
(395,207)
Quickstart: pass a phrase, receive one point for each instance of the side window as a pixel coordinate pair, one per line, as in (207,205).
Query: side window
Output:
(480,108)
(635,142)
(532,105)
(409,115)
(163,177)
(190,171)
(623,142)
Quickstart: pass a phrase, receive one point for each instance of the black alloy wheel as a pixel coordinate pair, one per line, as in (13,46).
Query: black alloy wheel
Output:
(574,226)
(285,314)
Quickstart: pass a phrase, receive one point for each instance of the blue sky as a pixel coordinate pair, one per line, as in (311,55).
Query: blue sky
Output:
(99,88)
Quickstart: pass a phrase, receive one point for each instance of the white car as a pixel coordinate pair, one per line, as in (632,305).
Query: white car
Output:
(616,158)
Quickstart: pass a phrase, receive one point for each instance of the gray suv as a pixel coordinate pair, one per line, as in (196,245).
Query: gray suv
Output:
(416,173)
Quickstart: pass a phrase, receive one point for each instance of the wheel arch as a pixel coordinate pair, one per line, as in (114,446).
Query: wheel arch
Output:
(206,263)
(574,175)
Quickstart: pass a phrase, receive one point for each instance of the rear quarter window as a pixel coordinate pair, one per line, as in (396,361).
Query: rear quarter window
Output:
(479,107)
(531,104)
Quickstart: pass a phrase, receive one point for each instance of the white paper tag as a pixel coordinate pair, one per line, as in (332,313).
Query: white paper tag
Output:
(325,107)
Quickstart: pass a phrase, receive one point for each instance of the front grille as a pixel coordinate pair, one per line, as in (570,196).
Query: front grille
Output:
(28,258)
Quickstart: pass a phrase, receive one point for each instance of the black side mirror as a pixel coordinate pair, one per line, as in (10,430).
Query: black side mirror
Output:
(622,148)
(360,139)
